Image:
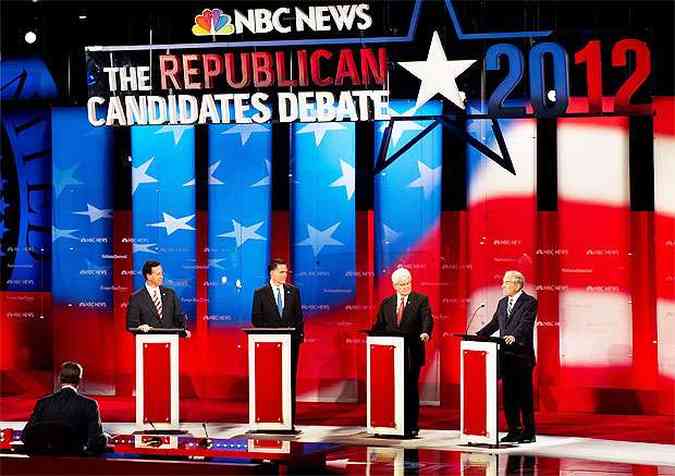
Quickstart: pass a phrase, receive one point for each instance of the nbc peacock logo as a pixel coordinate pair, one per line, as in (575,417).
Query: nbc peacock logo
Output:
(212,22)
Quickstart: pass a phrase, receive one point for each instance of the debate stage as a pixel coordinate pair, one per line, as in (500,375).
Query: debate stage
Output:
(348,450)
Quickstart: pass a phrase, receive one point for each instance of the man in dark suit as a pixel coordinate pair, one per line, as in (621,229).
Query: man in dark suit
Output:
(65,422)
(514,318)
(408,313)
(154,306)
(277,304)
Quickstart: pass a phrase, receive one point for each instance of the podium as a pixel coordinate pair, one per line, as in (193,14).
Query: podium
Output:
(270,386)
(157,378)
(479,363)
(385,412)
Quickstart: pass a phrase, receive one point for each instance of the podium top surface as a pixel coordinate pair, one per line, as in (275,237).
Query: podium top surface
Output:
(475,338)
(269,330)
(159,331)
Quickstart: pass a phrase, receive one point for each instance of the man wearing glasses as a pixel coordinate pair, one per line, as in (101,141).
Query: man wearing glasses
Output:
(514,318)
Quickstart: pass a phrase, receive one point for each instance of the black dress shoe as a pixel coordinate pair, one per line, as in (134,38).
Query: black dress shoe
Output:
(527,438)
(511,437)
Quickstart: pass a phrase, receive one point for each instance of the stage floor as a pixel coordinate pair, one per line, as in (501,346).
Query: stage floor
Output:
(638,428)
(439,452)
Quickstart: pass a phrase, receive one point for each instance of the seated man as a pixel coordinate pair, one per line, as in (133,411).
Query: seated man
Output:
(65,421)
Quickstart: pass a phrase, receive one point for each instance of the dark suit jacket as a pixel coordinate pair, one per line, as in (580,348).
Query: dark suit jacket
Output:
(520,325)
(266,314)
(142,310)
(69,408)
(416,320)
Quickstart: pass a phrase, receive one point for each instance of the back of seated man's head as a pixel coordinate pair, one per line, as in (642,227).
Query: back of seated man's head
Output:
(71,374)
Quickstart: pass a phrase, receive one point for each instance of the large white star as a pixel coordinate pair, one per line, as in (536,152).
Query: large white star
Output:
(428,180)
(438,75)
(242,234)
(140,176)
(401,127)
(94,213)
(177,132)
(172,224)
(59,233)
(144,248)
(319,238)
(245,131)
(64,178)
(266,179)
(319,129)
(390,235)
(347,180)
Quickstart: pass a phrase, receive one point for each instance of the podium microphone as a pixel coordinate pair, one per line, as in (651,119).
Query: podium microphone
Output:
(207,441)
(482,305)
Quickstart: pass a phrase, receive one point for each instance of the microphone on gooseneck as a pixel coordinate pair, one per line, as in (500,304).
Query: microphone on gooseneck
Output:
(482,305)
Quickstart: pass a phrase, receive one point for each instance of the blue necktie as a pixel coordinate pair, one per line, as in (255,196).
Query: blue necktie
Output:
(280,306)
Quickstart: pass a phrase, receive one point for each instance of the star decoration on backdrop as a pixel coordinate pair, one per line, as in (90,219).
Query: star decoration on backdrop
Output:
(401,127)
(177,132)
(139,175)
(245,131)
(213,263)
(94,213)
(390,235)
(3,206)
(266,179)
(64,178)
(144,248)
(242,233)
(172,224)
(438,75)
(428,180)
(60,233)
(347,180)
(320,129)
(318,239)
(3,228)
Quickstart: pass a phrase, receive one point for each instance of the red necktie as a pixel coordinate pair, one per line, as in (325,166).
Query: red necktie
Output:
(399,311)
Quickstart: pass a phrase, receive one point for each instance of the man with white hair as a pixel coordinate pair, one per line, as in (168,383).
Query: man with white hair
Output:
(514,318)
(408,313)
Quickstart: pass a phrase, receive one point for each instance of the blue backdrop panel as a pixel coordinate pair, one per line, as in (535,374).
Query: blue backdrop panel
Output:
(25,200)
(408,192)
(163,206)
(82,212)
(324,213)
(240,161)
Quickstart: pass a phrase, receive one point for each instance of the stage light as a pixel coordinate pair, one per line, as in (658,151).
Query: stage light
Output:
(30,37)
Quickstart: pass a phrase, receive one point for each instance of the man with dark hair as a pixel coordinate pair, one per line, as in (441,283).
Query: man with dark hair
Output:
(277,304)
(65,422)
(154,306)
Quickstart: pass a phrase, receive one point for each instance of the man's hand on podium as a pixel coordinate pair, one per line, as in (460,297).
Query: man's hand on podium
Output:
(424,337)
(509,339)
(187,334)
(144,327)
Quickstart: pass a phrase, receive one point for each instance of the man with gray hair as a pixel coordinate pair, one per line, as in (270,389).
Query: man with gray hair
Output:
(514,318)
(408,313)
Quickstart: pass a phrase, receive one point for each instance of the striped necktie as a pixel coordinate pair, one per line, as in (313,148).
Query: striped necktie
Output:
(158,303)
(509,308)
